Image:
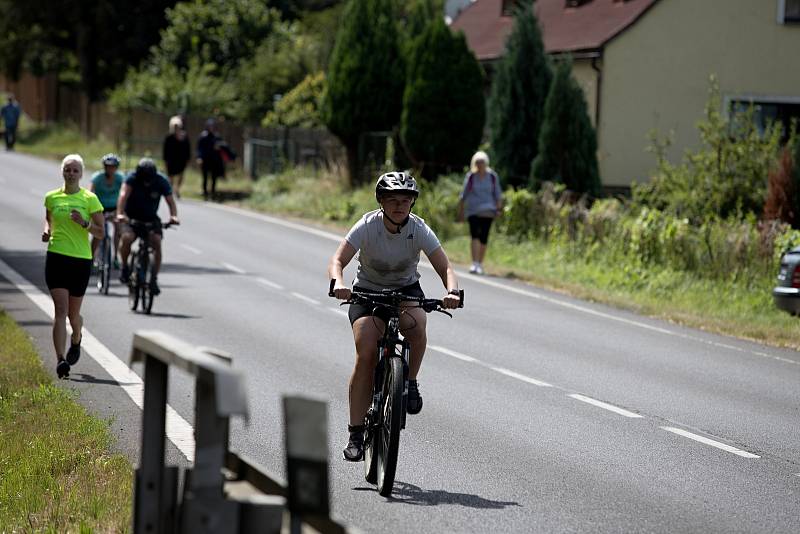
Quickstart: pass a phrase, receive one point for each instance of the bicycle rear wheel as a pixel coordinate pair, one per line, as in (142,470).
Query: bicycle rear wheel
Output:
(104,273)
(388,435)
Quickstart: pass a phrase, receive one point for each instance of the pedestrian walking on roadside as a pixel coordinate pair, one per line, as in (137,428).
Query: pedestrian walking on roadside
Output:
(177,153)
(10,113)
(71,214)
(209,158)
(480,201)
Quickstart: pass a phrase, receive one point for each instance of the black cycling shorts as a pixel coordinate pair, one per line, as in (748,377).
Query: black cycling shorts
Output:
(357,311)
(67,272)
(479,227)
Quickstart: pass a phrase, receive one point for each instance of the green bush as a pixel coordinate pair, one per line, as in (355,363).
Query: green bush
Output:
(727,177)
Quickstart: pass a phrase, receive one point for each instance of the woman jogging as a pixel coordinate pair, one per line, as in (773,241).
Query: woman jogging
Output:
(71,214)
(482,199)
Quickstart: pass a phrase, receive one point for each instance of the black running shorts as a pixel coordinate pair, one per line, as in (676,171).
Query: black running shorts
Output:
(67,272)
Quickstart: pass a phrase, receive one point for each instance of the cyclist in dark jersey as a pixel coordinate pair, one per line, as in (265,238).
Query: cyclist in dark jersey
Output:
(390,241)
(139,200)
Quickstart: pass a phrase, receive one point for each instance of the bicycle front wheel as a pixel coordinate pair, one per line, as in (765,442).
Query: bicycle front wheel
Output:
(134,284)
(147,295)
(104,275)
(388,434)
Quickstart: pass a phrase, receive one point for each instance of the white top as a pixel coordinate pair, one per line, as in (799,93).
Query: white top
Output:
(386,260)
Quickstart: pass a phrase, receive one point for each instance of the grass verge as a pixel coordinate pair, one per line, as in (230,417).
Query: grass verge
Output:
(57,472)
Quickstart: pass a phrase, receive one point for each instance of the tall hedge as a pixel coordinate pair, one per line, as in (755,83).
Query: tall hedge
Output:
(365,76)
(516,104)
(443,105)
(567,142)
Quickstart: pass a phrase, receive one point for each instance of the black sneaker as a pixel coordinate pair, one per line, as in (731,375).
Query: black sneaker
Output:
(154,289)
(414,400)
(74,352)
(354,452)
(125,274)
(62,369)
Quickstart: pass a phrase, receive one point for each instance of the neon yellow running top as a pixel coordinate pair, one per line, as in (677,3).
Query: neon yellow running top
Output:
(66,236)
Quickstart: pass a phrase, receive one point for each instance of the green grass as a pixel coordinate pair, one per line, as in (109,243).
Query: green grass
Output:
(57,472)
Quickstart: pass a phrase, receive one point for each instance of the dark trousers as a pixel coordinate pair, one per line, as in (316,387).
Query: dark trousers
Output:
(11,137)
(212,172)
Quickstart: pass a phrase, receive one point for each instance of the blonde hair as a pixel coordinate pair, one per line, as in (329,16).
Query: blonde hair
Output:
(70,158)
(175,123)
(480,155)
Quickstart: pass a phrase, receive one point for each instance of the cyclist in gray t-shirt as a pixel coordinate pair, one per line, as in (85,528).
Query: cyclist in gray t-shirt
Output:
(388,241)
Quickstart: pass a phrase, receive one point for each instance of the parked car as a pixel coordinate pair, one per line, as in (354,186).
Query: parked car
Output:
(787,293)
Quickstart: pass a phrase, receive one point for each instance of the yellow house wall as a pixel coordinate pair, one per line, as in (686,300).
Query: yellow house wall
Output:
(586,76)
(656,74)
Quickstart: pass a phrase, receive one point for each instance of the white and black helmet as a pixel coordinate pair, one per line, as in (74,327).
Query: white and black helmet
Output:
(396,182)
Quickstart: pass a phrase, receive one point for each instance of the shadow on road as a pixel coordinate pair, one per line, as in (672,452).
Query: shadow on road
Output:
(93,380)
(171,315)
(406,493)
(34,322)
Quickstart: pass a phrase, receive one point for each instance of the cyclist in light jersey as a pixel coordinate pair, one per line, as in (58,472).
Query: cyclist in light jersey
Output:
(389,241)
(106,184)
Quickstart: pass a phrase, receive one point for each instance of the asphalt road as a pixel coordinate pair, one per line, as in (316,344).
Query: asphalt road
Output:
(542,413)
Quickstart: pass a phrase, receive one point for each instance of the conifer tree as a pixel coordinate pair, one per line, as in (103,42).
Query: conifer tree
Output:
(365,76)
(443,105)
(567,142)
(517,99)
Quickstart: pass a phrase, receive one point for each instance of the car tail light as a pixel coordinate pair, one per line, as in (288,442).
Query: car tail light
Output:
(796,276)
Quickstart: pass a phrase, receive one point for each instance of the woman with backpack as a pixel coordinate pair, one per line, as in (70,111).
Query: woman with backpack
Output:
(481,200)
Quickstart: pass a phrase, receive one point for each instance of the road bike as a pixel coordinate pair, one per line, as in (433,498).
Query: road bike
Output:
(106,253)
(141,274)
(386,416)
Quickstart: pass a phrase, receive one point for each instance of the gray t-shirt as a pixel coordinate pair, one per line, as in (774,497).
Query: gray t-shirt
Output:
(386,260)
(481,195)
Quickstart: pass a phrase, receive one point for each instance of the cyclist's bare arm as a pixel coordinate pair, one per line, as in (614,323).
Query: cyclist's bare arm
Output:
(441,265)
(173,209)
(338,262)
(122,201)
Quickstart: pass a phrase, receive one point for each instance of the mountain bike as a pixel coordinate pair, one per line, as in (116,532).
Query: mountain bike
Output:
(140,261)
(386,416)
(106,253)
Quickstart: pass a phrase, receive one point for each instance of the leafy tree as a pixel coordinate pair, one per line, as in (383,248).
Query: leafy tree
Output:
(516,104)
(567,142)
(299,108)
(365,76)
(443,105)
(415,19)
(97,39)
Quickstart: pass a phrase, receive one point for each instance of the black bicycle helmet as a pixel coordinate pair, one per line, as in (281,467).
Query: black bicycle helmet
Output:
(146,169)
(111,159)
(396,182)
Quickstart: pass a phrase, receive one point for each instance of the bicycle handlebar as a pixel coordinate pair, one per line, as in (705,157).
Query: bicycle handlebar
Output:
(149,225)
(394,298)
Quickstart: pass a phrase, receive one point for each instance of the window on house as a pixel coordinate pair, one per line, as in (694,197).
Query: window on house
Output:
(789,11)
(766,113)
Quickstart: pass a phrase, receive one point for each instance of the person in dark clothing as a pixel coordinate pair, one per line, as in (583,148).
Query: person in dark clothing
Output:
(10,114)
(209,158)
(177,153)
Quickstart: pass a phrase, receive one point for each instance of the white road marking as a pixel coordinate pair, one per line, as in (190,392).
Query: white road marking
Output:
(340,312)
(233,268)
(268,283)
(605,405)
(453,353)
(179,431)
(524,378)
(519,291)
(305,298)
(707,441)
(500,370)
(192,249)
